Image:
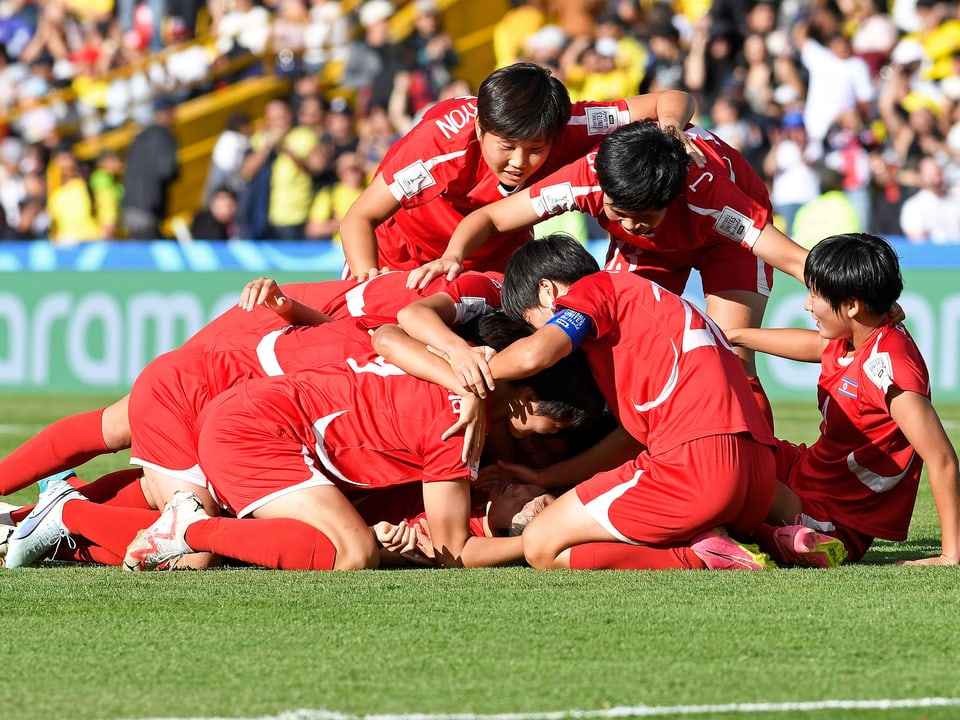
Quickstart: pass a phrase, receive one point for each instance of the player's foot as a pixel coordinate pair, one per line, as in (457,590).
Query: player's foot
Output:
(42,529)
(719,551)
(804,546)
(44,483)
(6,518)
(5,532)
(162,545)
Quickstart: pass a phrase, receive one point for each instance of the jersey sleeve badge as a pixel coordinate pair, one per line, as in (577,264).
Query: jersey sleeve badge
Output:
(555,199)
(732,224)
(602,120)
(879,370)
(413,179)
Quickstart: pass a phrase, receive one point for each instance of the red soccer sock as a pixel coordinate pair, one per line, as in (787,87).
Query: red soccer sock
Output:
(65,444)
(18,515)
(762,400)
(621,556)
(120,488)
(110,527)
(279,543)
(84,551)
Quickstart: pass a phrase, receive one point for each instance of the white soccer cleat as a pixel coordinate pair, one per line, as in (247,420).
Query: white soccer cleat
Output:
(42,529)
(5,532)
(162,544)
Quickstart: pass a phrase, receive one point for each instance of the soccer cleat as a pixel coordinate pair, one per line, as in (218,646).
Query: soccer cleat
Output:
(804,546)
(719,551)
(162,545)
(44,483)
(5,532)
(42,529)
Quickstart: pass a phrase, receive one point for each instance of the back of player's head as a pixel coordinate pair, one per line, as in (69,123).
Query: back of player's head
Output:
(854,266)
(558,257)
(523,102)
(641,167)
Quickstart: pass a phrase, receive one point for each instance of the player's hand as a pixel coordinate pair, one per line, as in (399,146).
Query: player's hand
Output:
(473,422)
(896,313)
(938,560)
(399,538)
(425,548)
(266,292)
(695,153)
(369,274)
(421,276)
(470,366)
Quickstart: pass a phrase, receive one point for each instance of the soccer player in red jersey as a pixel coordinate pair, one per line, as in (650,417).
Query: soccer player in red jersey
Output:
(674,383)
(468,152)
(665,215)
(858,481)
(264,308)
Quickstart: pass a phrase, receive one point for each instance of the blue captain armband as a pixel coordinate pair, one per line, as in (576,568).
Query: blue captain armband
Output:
(575,324)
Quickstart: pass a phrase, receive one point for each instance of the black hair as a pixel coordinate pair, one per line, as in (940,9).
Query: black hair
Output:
(854,266)
(558,257)
(523,102)
(641,167)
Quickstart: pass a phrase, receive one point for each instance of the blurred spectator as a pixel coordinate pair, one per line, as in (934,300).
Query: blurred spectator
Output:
(838,80)
(939,33)
(593,71)
(431,49)
(279,169)
(243,31)
(288,36)
(72,207)
(666,69)
(106,185)
(332,202)
(932,214)
(13,188)
(377,134)
(711,63)
(327,35)
(226,162)
(794,177)
(759,78)
(545,47)
(512,30)
(151,165)
(831,213)
(372,60)
(728,123)
(339,137)
(872,32)
(142,22)
(848,153)
(217,220)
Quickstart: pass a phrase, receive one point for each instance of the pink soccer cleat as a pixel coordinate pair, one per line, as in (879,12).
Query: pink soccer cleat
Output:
(719,551)
(804,546)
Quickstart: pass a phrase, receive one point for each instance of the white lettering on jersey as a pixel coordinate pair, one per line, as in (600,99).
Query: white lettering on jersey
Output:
(457,119)
(378,366)
(414,178)
(602,120)
(732,224)
(555,199)
(879,370)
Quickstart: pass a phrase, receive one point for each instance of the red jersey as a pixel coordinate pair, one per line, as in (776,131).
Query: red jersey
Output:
(725,199)
(438,175)
(667,372)
(362,426)
(862,472)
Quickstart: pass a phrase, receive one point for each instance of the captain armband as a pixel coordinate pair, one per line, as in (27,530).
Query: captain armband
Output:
(575,324)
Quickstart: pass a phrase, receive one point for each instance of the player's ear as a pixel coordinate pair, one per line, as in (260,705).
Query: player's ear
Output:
(476,125)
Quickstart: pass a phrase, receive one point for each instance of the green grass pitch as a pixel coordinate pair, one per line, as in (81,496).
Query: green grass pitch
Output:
(92,642)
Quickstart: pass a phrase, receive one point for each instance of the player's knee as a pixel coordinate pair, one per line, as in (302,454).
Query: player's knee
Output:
(539,546)
(357,556)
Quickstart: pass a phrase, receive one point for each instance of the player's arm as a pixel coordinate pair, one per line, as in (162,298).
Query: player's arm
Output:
(266,292)
(673,110)
(447,505)
(429,321)
(791,343)
(358,228)
(778,250)
(507,215)
(612,451)
(528,356)
(922,427)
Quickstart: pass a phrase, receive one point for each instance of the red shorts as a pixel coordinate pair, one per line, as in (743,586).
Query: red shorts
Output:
(248,458)
(164,402)
(719,480)
(722,264)
(817,513)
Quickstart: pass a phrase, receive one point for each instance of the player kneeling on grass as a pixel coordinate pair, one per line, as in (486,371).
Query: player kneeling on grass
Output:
(859,480)
(288,448)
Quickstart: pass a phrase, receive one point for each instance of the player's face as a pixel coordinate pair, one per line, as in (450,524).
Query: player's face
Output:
(526,423)
(515,503)
(633,223)
(512,161)
(547,293)
(830,323)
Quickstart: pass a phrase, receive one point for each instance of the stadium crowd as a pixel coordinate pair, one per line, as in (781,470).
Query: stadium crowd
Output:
(849,110)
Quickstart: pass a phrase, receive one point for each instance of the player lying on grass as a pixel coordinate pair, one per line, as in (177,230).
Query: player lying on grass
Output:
(858,481)
(665,215)
(674,383)
(264,308)
(286,448)
(467,152)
